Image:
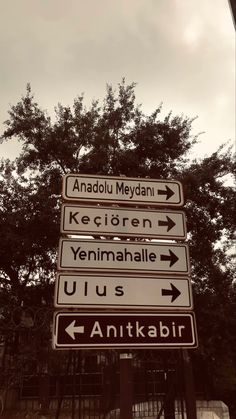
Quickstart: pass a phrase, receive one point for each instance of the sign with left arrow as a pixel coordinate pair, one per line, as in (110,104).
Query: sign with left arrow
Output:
(124,330)
(126,292)
(123,256)
(113,221)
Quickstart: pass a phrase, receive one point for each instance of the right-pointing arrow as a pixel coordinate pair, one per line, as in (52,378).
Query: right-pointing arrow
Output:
(172,258)
(174,292)
(72,329)
(167,191)
(169,223)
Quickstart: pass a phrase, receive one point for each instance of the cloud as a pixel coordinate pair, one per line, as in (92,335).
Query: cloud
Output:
(180,52)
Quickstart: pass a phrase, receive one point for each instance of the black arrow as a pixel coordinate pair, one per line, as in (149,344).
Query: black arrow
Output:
(174,292)
(169,223)
(171,257)
(168,192)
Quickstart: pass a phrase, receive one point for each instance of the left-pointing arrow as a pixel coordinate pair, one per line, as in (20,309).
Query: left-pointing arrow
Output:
(72,329)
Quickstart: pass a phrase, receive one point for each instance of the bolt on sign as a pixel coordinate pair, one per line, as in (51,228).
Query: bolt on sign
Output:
(118,190)
(113,221)
(123,256)
(119,330)
(126,292)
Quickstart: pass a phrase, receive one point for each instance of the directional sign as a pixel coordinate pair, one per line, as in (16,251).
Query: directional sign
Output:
(132,191)
(123,256)
(113,221)
(119,330)
(128,292)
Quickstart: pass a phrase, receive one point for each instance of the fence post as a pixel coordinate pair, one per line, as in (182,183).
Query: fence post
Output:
(190,398)
(126,386)
(169,403)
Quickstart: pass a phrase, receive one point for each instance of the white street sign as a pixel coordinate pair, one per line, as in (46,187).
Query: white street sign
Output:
(113,221)
(127,292)
(77,330)
(132,191)
(123,256)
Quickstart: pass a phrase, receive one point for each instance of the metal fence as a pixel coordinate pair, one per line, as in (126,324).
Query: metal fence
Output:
(79,384)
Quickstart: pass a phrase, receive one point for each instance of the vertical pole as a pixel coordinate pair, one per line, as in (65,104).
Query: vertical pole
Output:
(169,403)
(44,393)
(80,355)
(44,390)
(190,399)
(73,387)
(169,407)
(126,386)
(62,387)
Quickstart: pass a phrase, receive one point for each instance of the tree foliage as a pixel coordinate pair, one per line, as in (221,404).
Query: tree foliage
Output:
(117,138)
(29,230)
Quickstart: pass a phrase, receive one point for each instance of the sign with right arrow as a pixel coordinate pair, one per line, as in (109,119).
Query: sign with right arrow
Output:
(118,190)
(123,256)
(138,289)
(128,292)
(113,221)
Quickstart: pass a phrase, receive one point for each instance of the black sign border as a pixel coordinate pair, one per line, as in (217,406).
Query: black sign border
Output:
(185,345)
(124,270)
(63,230)
(66,197)
(122,306)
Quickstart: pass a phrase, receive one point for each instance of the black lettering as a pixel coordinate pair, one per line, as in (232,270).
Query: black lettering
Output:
(85,288)
(89,188)
(135,222)
(73,217)
(147,221)
(102,293)
(137,257)
(83,187)
(124,221)
(119,291)
(75,251)
(152,257)
(76,185)
(126,189)
(92,253)
(107,254)
(66,288)
(119,256)
(85,219)
(82,255)
(128,255)
(120,188)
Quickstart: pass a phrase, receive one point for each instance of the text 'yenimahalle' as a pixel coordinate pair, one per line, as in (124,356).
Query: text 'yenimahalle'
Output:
(116,255)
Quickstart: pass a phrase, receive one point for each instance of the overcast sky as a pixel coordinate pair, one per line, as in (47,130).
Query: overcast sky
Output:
(179,52)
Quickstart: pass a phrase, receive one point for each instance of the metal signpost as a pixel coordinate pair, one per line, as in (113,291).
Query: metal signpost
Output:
(118,190)
(126,292)
(112,278)
(119,330)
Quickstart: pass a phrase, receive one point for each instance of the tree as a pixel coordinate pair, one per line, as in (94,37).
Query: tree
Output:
(29,230)
(117,138)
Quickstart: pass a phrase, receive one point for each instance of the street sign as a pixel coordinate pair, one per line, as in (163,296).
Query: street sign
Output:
(112,221)
(123,256)
(118,190)
(73,330)
(126,292)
